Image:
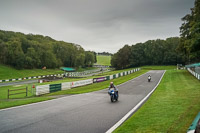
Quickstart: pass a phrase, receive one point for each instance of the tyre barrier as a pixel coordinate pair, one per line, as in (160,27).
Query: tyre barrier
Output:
(44,89)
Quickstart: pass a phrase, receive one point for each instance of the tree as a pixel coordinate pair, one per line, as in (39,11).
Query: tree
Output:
(120,60)
(152,52)
(190,35)
(36,51)
(89,58)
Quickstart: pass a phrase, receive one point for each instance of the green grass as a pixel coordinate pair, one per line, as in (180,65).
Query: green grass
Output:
(171,108)
(7,72)
(103,60)
(159,67)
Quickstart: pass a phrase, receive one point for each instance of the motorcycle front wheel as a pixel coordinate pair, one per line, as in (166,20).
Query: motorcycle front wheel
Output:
(112,98)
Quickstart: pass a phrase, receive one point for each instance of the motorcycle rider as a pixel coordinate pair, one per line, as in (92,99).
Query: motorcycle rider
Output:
(112,86)
(149,77)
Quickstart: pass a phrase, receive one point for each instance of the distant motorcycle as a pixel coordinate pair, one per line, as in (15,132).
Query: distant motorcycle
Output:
(149,78)
(113,95)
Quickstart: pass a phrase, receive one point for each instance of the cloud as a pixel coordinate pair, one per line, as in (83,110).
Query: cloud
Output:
(99,25)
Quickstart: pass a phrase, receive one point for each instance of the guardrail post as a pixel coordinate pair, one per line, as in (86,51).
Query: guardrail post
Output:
(8,93)
(26,91)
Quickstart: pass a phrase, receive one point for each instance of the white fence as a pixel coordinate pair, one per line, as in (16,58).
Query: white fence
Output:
(194,73)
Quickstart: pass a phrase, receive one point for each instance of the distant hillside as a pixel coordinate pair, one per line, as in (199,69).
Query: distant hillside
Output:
(103,60)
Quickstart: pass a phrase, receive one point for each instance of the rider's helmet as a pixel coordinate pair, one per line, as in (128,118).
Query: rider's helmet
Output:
(111,84)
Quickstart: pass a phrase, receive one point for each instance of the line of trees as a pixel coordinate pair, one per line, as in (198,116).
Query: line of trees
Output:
(36,51)
(172,51)
(105,53)
(152,52)
(190,35)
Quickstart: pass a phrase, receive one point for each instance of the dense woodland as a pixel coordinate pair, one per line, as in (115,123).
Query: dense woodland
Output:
(36,51)
(172,51)
(190,35)
(152,52)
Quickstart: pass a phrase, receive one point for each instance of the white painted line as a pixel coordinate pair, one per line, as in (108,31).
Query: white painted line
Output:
(134,109)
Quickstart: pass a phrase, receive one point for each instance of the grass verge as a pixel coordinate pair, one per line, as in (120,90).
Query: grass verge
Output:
(171,108)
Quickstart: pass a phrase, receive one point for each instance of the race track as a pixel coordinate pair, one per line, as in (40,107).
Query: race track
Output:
(83,113)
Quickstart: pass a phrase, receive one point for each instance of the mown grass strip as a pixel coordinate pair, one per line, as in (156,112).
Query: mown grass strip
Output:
(171,108)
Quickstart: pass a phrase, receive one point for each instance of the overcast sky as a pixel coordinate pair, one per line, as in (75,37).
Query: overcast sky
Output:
(98,25)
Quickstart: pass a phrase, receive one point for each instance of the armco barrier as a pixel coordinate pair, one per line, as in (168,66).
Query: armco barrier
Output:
(55,87)
(107,77)
(43,89)
(66,85)
(81,83)
(194,73)
(100,79)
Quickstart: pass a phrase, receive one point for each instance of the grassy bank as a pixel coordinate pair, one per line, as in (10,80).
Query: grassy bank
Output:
(171,108)
(7,72)
(103,60)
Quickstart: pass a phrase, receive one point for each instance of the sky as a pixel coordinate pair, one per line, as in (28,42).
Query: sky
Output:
(96,25)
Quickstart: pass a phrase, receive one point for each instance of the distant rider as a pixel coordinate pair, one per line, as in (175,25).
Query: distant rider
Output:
(149,77)
(113,86)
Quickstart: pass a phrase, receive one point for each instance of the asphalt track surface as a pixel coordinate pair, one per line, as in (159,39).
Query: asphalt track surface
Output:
(18,82)
(83,113)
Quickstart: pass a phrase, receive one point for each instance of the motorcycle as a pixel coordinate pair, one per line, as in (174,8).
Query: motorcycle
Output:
(149,79)
(113,95)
